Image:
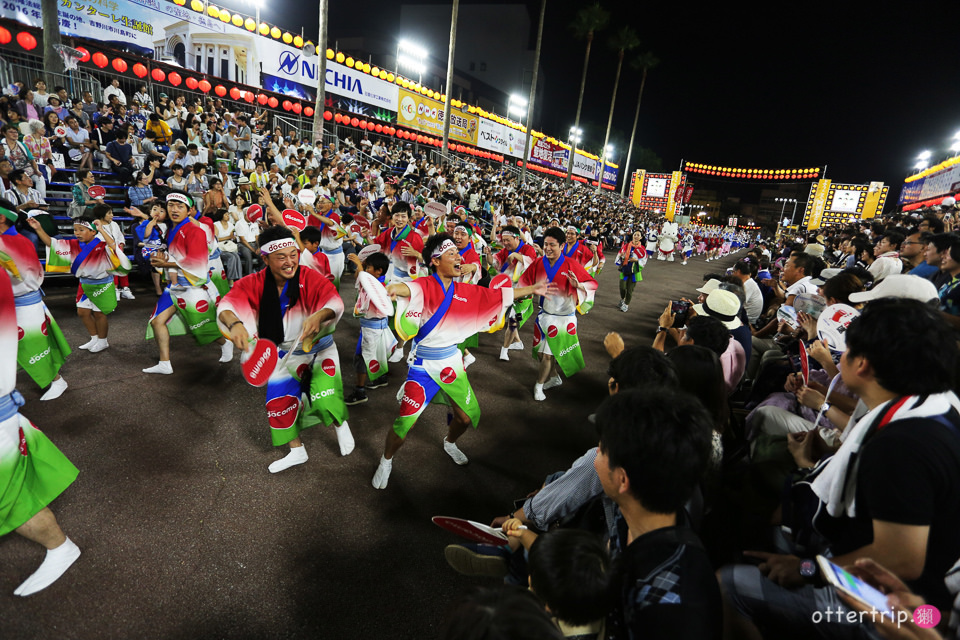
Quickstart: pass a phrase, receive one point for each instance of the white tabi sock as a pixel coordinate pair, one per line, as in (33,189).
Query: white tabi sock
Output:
(454,452)
(100,345)
(164,367)
(382,476)
(555,381)
(297,455)
(89,343)
(57,387)
(54,565)
(538,394)
(226,351)
(345,439)
(505,354)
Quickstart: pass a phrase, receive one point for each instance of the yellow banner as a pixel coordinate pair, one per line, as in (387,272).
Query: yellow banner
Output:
(672,194)
(426,115)
(637,187)
(819,204)
(875,197)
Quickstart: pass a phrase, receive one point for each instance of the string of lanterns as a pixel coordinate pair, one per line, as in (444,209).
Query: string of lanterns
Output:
(755,174)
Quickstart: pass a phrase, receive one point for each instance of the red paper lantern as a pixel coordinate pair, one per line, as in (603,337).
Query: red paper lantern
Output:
(363,125)
(27,41)
(248,96)
(204,85)
(272,102)
(262,99)
(234,93)
(355,122)
(192,84)
(378,128)
(86,54)
(297,108)
(338,118)
(308,111)
(174,78)
(5,36)
(99,59)
(139,70)
(286,105)
(391,131)
(328,116)
(220,90)
(119,65)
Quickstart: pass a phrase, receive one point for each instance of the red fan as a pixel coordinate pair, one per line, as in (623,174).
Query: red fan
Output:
(294,219)
(254,212)
(96,191)
(258,366)
(471,530)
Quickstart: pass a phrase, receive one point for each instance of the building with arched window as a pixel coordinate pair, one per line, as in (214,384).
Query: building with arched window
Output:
(229,56)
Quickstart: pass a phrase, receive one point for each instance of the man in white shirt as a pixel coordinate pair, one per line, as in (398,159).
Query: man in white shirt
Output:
(114,90)
(887,253)
(753,298)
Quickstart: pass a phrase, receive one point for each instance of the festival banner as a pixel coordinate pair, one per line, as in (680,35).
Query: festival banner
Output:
(819,204)
(676,186)
(550,155)
(636,188)
(876,198)
(688,195)
(426,115)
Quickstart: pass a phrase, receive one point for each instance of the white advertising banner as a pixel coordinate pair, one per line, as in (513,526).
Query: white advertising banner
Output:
(289,63)
(499,138)
(584,167)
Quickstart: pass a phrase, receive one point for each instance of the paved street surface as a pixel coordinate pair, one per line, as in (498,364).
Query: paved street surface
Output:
(185,534)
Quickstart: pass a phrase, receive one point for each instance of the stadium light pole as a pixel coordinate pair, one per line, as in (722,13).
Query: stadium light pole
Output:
(412,57)
(321,75)
(52,61)
(449,86)
(533,95)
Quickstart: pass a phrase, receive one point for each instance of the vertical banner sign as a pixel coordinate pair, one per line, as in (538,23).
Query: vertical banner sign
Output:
(636,187)
(426,115)
(874,202)
(676,185)
(819,204)
(688,196)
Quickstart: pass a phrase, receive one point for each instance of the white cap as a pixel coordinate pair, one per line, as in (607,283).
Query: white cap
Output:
(709,286)
(825,275)
(899,286)
(722,305)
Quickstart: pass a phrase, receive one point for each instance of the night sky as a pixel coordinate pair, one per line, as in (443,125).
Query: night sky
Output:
(860,89)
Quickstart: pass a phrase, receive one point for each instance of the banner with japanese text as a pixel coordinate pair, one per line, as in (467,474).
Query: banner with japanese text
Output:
(426,115)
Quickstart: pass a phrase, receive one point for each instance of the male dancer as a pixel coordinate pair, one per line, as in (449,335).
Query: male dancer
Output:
(92,257)
(470,273)
(298,310)
(630,260)
(576,250)
(555,338)
(514,259)
(441,313)
(331,242)
(687,244)
(33,472)
(189,302)
(42,347)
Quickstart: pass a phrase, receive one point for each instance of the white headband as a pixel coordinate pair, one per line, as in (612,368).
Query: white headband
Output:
(277,245)
(445,246)
(508,234)
(180,197)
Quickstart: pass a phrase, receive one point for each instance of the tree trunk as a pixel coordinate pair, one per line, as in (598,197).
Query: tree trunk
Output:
(576,122)
(533,94)
(449,86)
(606,138)
(52,61)
(636,116)
(321,75)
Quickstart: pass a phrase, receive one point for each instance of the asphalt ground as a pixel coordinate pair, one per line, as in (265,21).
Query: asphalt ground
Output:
(185,534)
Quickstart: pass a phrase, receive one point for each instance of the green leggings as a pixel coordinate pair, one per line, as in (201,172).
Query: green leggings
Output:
(626,290)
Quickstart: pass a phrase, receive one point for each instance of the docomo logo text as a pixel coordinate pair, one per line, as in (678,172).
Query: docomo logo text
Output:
(567,350)
(255,369)
(40,356)
(323,394)
(282,412)
(194,327)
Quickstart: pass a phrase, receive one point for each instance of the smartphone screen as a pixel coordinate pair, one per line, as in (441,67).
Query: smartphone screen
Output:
(854,587)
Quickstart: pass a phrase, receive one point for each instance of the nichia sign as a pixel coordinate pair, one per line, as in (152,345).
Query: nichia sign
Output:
(340,79)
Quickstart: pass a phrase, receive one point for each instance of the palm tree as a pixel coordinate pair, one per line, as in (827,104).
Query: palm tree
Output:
(624,40)
(589,20)
(643,62)
(533,93)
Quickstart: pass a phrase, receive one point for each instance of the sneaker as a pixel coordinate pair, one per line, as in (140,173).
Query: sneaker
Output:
(382,381)
(625,308)
(474,559)
(357,397)
(454,452)
(516,346)
(126,294)
(620,305)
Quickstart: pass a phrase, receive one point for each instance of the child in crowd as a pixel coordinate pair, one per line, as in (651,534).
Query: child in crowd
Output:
(376,341)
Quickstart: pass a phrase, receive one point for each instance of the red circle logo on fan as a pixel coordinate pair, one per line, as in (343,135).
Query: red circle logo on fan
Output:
(181,303)
(19,333)
(572,329)
(374,366)
(302,370)
(552,331)
(413,398)
(223,274)
(448,375)
(282,412)
(202,306)
(43,327)
(329,367)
